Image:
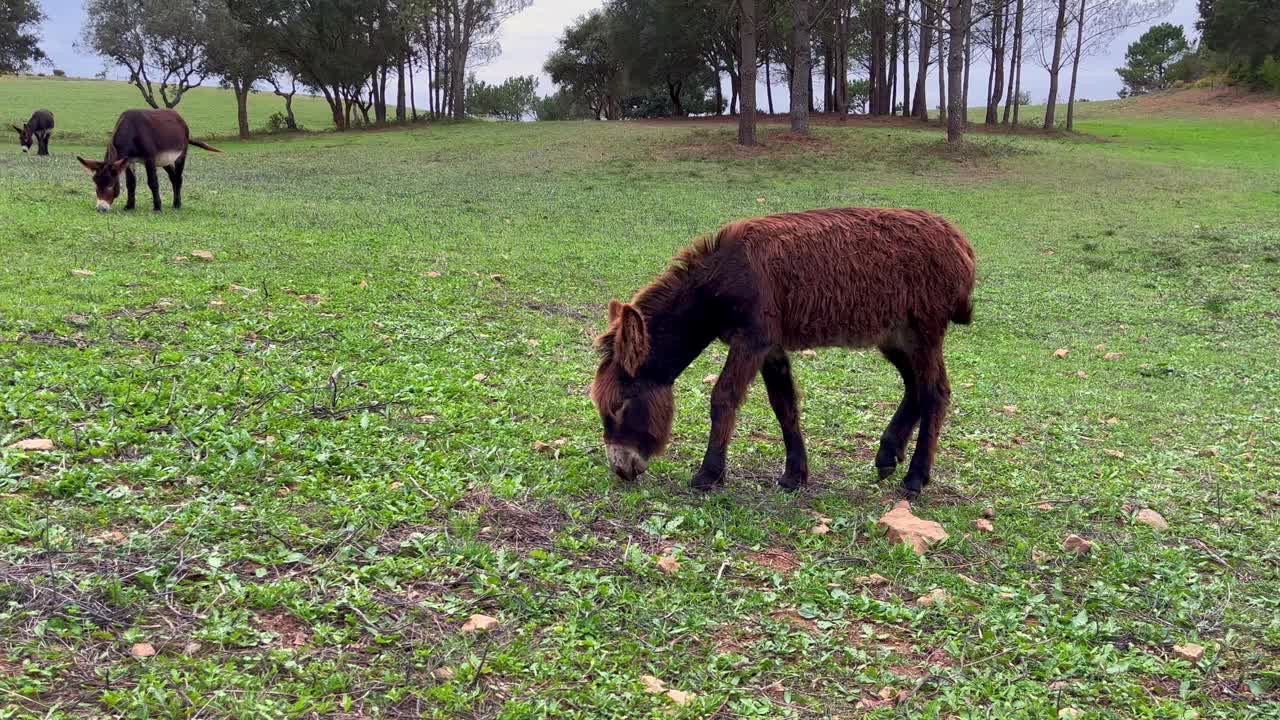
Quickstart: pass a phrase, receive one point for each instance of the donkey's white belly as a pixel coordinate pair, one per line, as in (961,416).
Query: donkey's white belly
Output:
(165,159)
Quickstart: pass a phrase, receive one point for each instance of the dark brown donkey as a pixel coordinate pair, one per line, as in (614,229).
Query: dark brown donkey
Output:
(893,279)
(36,131)
(155,138)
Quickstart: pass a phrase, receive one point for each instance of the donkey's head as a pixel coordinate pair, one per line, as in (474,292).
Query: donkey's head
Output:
(26,137)
(636,410)
(106,179)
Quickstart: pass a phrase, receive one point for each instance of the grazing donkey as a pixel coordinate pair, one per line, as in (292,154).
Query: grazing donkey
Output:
(156,138)
(853,277)
(36,131)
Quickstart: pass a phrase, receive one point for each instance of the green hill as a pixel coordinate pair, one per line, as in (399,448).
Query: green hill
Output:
(86,110)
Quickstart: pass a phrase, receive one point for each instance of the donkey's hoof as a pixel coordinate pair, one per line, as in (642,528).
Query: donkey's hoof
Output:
(792,481)
(913,485)
(706,480)
(884,471)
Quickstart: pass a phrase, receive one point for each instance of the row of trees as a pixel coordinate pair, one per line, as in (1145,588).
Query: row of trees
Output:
(678,50)
(347,51)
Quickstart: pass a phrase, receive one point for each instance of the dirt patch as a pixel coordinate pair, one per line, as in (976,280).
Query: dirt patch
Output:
(793,619)
(557,310)
(711,145)
(290,632)
(775,559)
(1205,103)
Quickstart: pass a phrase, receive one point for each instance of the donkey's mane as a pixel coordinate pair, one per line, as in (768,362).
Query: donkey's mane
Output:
(683,264)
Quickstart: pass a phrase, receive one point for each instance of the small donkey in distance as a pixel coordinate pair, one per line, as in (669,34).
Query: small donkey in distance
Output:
(851,277)
(156,138)
(36,131)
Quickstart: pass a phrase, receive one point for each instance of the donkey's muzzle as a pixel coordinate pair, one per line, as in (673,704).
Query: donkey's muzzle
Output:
(625,462)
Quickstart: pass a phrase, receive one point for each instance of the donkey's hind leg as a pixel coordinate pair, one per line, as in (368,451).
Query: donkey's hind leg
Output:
(893,443)
(933,392)
(786,406)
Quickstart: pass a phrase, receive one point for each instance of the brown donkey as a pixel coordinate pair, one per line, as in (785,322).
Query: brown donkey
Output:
(36,131)
(854,277)
(155,138)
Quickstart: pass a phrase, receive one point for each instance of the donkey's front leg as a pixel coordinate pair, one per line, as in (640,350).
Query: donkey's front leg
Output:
(786,406)
(745,359)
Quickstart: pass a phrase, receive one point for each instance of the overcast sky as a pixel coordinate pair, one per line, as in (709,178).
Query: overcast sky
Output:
(530,36)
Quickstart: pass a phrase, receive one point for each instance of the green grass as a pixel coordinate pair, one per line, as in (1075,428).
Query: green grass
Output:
(296,470)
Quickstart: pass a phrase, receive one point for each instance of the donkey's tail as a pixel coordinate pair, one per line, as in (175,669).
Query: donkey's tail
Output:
(963,314)
(199,144)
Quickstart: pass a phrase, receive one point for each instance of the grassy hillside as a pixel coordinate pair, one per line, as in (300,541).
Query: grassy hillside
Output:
(283,479)
(86,110)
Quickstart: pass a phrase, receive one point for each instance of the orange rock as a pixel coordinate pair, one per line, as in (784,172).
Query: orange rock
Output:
(902,527)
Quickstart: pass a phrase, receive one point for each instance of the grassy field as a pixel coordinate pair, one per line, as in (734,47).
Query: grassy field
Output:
(293,472)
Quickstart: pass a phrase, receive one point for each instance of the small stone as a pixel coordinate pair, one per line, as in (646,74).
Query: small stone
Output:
(1082,375)
(988,512)
(1152,519)
(431,274)
(653,684)
(498,278)
(1112,356)
(984,525)
(444,673)
(1006,596)
(1009,409)
(1038,556)
(902,527)
(312,299)
(872,580)
(191,648)
(1100,348)
(81,273)
(820,529)
(77,320)
(1044,506)
(967,580)
(479,377)
(1061,353)
(542,447)
(668,565)
(33,445)
(202,255)
(935,597)
(1117,454)
(1190,652)
(760,200)
(113,536)
(479,624)
(1207,453)
(809,353)
(710,379)
(142,650)
(679,697)
(362,284)
(1068,713)
(1077,545)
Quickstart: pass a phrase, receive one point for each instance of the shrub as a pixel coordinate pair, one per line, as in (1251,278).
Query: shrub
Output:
(1269,74)
(59,73)
(278,123)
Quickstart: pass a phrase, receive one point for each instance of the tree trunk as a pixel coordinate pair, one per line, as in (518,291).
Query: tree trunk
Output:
(747,43)
(800,76)
(1075,69)
(768,82)
(734,81)
(380,96)
(334,98)
(1060,29)
(400,109)
(957,102)
(719,95)
(999,32)
(943,68)
(968,64)
(413,99)
(891,87)
(289,120)
(920,103)
(842,63)
(906,59)
(241,89)
(1015,64)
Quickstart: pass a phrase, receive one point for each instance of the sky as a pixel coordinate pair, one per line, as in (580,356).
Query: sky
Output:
(529,37)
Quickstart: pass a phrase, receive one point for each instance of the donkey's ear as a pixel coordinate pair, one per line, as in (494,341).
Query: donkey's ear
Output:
(615,311)
(91,165)
(118,165)
(631,342)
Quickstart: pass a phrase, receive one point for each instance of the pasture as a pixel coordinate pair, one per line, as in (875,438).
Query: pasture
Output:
(284,478)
